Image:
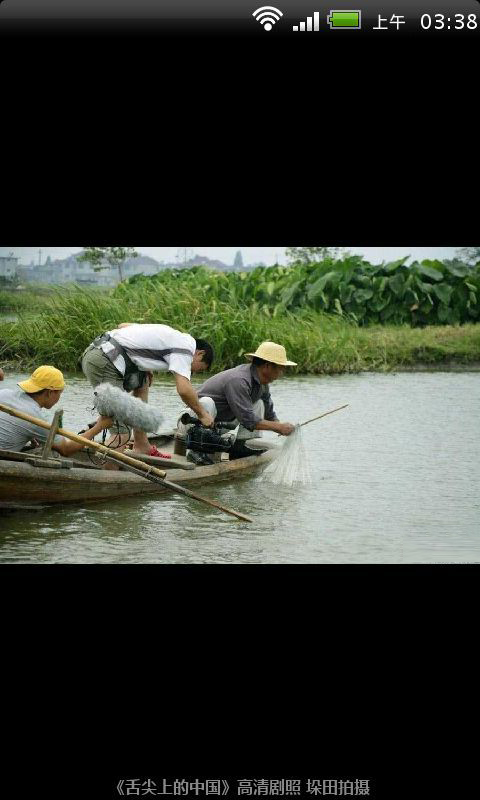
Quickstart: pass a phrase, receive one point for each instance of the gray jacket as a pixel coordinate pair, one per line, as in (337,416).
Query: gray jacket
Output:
(234,392)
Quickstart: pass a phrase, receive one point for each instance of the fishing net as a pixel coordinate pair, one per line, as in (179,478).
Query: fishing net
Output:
(291,465)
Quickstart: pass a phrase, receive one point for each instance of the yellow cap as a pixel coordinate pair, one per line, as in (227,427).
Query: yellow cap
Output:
(44,377)
(275,353)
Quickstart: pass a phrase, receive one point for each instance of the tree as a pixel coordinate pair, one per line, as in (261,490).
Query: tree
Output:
(309,255)
(238,260)
(113,256)
(471,255)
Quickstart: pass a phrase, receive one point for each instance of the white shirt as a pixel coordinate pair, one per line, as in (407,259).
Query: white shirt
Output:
(144,342)
(15,433)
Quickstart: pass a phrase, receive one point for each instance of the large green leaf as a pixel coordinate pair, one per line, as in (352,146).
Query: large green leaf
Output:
(348,266)
(363,280)
(319,272)
(316,288)
(429,271)
(288,293)
(411,297)
(457,268)
(379,284)
(443,292)
(345,292)
(397,284)
(362,295)
(373,269)
(393,265)
(422,285)
(379,303)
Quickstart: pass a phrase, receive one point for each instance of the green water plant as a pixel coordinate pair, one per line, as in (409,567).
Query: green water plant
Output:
(430,292)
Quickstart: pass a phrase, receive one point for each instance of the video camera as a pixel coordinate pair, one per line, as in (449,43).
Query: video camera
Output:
(207,440)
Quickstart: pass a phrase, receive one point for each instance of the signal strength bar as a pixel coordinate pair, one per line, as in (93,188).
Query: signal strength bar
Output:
(316,23)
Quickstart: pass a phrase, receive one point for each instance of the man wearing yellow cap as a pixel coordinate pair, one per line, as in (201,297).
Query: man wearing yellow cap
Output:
(242,394)
(41,391)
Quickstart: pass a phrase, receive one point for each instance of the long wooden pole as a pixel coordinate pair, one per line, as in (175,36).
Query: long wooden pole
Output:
(185,491)
(323,415)
(139,466)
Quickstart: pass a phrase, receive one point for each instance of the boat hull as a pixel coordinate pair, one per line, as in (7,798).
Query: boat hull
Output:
(23,483)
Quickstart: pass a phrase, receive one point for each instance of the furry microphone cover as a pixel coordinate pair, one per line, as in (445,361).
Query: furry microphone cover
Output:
(113,402)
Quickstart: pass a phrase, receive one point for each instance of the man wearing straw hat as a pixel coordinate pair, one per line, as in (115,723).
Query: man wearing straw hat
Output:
(41,391)
(241,394)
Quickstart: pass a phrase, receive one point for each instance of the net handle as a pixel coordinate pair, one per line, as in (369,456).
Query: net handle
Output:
(325,414)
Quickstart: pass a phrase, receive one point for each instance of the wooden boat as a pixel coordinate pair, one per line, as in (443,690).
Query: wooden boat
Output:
(81,480)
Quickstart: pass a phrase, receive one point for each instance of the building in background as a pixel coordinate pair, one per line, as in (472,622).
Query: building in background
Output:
(8,267)
(70,270)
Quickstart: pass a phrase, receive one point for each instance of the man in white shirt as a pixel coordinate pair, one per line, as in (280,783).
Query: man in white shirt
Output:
(127,356)
(41,391)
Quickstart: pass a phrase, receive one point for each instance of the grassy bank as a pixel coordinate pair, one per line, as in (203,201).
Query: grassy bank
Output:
(319,342)
(27,301)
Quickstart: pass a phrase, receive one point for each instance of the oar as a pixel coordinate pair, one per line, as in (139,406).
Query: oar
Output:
(323,415)
(158,475)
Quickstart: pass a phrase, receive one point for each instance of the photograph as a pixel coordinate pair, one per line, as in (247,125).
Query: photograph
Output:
(239,405)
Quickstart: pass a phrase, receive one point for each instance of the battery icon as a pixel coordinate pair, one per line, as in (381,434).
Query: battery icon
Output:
(345,19)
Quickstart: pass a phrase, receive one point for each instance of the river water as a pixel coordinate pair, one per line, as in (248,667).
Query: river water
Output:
(395,480)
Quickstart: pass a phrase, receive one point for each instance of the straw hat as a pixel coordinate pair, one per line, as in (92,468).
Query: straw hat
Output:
(44,377)
(275,353)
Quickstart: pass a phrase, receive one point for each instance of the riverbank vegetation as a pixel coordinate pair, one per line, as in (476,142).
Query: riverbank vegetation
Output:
(328,320)
(430,292)
(29,301)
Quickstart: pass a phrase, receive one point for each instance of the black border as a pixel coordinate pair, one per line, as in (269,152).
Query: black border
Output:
(112,671)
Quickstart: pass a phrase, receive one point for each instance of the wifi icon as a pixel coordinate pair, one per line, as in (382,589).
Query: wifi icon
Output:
(267,16)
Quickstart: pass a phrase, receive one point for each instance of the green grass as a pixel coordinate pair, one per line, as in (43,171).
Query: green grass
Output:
(321,343)
(31,300)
